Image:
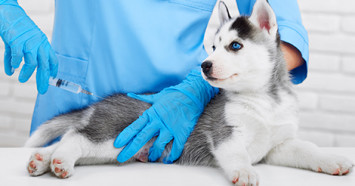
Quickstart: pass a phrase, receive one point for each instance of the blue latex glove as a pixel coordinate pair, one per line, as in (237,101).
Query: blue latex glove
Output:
(23,38)
(172,116)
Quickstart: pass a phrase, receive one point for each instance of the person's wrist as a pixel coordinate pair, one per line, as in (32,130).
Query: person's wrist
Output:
(292,56)
(195,87)
(208,90)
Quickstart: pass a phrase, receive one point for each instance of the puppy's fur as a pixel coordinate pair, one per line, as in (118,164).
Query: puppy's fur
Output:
(253,118)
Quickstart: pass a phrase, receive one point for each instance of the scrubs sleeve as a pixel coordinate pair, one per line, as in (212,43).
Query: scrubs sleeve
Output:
(292,31)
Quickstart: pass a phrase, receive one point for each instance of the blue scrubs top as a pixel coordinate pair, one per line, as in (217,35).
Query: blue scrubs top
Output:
(139,46)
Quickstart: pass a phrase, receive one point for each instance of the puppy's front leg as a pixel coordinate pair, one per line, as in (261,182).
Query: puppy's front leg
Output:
(233,158)
(305,155)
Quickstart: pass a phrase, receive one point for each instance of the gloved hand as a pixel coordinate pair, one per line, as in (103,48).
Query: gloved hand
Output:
(172,116)
(23,38)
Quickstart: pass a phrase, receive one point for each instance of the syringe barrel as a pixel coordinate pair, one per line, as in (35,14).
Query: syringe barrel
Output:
(66,85)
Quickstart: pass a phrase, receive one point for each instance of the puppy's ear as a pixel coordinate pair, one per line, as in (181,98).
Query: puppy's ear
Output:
(214,22)
(264,17)
(223,13)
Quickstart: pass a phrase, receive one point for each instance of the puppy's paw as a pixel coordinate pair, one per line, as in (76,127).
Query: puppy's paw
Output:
(245,177)
(334,165)
(38,164)
(62,168)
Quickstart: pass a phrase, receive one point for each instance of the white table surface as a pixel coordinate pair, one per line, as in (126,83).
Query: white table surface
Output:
(13,162)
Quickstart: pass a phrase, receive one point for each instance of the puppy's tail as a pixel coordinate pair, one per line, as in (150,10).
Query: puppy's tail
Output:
(54,128)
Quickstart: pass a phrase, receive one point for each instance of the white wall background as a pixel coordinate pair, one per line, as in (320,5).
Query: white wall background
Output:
(327,97)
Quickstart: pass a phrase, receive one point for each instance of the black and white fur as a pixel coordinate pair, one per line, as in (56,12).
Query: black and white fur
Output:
(252,119)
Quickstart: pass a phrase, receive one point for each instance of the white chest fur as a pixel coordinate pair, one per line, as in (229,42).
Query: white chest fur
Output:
(261,120)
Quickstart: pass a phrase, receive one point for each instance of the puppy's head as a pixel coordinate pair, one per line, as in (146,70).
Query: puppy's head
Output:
(242,49)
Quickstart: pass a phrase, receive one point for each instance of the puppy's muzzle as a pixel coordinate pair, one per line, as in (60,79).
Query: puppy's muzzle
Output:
(207,68)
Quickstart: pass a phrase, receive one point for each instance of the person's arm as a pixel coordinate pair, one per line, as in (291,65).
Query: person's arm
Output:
(294,37)
(292,56)
(23,39)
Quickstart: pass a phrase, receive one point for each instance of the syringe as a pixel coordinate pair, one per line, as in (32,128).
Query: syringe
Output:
(69,86)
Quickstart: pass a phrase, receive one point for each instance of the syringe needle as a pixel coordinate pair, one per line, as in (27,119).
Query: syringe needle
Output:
(91,94)
(86,92)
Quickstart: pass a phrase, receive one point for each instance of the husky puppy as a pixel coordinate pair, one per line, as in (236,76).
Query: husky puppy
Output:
(252,119)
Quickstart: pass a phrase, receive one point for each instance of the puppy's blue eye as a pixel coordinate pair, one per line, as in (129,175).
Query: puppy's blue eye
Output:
(235,46)
(213,48)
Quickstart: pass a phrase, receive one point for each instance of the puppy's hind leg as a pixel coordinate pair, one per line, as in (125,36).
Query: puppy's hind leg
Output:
(69,150)
(77,149)
(305,155)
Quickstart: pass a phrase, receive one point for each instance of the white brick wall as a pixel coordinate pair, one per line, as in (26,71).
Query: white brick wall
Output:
(348,64)
(327,97)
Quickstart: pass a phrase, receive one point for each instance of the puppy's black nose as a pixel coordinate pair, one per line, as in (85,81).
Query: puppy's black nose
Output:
(206,67)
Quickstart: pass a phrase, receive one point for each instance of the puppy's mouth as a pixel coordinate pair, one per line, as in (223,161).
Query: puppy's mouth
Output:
(211,78)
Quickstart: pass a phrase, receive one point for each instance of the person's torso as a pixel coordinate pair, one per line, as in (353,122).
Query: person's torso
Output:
(130,46)
(119,46)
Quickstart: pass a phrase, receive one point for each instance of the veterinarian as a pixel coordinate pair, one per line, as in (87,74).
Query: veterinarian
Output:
(132,46)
